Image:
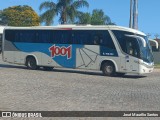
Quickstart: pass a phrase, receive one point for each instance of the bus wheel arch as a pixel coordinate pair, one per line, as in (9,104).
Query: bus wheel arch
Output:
(108,68)
(31,62)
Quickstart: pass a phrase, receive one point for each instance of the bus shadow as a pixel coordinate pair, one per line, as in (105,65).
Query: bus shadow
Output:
(11,66)
(132,76)
(79,72)
(98,74)
(73,71)
(54,70)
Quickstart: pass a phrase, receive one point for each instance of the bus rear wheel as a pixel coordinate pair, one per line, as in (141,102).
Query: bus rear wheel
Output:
(31,63)
(108,69)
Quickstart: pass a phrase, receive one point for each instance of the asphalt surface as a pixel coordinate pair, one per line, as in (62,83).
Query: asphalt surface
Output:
(76,90)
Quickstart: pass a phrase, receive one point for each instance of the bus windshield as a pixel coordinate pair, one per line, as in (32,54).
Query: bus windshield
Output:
(134,46)
(146,52)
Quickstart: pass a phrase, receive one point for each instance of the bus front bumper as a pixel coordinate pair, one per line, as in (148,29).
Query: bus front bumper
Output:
(146,68)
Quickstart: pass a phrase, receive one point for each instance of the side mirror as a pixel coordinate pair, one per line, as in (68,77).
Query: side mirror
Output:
(154,42)
(138,38)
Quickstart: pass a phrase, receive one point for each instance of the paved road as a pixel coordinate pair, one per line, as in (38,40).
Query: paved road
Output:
(62,90)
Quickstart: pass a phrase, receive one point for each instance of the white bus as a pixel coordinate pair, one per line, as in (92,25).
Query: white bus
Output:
(113,49)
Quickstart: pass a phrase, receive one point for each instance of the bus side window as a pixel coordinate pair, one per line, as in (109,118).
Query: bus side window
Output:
(81,37)
(96,40)
(43,36)
(131,47)
(72,38)
(66,37)
(56,37)
(62,39)
(16,36)
(9,35)
(107,40)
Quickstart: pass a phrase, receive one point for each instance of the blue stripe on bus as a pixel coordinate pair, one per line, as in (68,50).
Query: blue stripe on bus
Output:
(64,61)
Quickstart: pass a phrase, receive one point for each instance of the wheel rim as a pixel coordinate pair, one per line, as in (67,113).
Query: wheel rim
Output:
(31,64)
(109,69)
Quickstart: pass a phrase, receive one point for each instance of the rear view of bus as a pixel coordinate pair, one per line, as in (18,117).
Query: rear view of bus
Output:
(114,50)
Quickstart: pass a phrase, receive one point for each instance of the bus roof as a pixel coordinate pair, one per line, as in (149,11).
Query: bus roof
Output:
(81,27)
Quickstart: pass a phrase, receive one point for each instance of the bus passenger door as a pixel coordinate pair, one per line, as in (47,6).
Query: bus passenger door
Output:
(132,49)
(132,64)
(123,64)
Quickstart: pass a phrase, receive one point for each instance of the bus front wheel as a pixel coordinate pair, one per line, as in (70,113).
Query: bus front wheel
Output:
(108,69)
(31,63)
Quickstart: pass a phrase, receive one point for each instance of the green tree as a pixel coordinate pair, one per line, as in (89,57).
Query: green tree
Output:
(97,17)
(66,9)
(84,18)
(3,19)
(20,16)
(48,16)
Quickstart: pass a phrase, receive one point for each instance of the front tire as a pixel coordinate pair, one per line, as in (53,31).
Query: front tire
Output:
(108,69)
(31,63)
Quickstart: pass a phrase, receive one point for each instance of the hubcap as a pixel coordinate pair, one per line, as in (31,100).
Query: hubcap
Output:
(109,69)
(30,63)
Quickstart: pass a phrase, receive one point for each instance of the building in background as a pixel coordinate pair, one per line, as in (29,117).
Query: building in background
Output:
(156,52)
(154,49)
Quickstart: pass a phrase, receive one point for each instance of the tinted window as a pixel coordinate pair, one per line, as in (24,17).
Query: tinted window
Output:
(106,40)
(87,37)
(42,36)
(0,37)
(129,45)
(92,37)
(122,38)
(25,36)
(81,37)
(32,36)
(61,37)
(132,47)
(10,35)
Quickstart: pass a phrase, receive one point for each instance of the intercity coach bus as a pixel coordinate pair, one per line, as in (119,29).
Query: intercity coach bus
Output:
(113,49)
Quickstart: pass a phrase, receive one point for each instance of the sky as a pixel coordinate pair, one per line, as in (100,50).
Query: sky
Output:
(117,10)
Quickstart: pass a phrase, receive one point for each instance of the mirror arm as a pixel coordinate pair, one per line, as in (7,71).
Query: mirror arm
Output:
(138,37)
